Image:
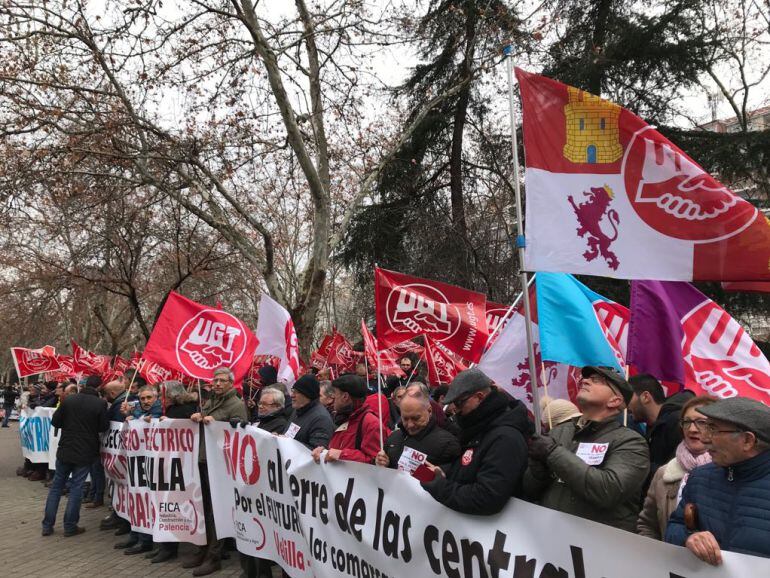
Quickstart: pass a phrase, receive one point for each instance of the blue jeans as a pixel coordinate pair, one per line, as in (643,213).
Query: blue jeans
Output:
(72,512)
(8,411)
(97,481)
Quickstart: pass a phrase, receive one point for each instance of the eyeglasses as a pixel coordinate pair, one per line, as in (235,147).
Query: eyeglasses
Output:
(698,423)
(711,428)
(459,403)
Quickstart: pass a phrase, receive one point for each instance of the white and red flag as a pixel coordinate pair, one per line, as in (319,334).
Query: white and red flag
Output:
(443,365)
(196,339)
(388,362)
(85,361)
(277,337)
(34,361)
(409,306)
(608,195)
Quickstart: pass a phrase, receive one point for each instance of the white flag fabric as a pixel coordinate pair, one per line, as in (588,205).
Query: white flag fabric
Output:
(275,331)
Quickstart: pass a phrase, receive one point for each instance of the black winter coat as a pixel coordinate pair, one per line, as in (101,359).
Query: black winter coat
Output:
(315,425)
(182,410)
(81,418)
(494,458)
(440,446)
(276,423)
(666,433)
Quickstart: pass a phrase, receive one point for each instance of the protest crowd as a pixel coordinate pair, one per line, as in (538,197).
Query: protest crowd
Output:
(649,420)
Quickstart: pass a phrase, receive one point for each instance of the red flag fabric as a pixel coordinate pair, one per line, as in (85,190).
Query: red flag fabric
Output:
(443,365)
(66,365)
(276,336)
(319,357)
(341,353)
(85,361)
(196,339)
(119,364)
(748,286)
(608,195)
(34,361)
(155,373)
(388,362)
(407,347)
(409,306)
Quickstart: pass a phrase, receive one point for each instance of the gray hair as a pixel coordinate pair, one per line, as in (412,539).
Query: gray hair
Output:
(225,369)
(174,391)
(148,388)
(278,397)
(418,390)
(326,388)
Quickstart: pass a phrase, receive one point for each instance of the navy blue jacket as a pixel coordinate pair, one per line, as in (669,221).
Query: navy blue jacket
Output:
(733,503)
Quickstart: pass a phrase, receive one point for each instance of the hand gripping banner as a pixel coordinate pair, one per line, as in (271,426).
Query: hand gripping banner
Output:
(344,520)
(156,482)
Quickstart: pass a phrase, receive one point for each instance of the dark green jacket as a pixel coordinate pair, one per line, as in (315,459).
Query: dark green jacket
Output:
(221,408)
(609,492)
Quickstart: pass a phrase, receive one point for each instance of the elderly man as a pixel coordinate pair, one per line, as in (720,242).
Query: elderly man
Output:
(418,432)
(591,466)
(223,405)
(81,418)
(494,428)
(314,422)
(357,437)
(725,505)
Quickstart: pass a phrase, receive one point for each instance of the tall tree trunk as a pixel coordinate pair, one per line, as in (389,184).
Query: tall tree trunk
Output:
(595,50)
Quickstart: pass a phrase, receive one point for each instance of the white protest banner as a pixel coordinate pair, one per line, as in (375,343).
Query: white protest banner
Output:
(346,519)
(34,429)
(154,470)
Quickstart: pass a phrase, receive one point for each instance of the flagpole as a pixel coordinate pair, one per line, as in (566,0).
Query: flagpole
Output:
(499,326)
(379,399)
(413,371)
(520,241)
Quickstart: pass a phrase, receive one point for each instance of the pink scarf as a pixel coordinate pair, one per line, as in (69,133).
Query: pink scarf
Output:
(688,461)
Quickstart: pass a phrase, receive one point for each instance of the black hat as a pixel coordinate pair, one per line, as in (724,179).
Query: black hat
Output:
(352,384)
(466,382)
(269,374)
(308,386)
(611,374)
(747,414)
(94,381)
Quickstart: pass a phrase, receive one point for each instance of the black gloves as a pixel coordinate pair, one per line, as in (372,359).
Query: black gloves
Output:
(540,447)
(235,422)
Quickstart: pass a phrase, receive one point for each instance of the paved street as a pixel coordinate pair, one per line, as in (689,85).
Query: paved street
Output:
(28,554)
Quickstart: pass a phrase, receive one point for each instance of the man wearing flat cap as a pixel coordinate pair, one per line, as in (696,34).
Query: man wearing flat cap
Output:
(726,504)
(494,428)
(591,466)
(357,434)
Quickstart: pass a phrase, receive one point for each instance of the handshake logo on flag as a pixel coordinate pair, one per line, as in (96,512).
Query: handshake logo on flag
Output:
(417,313)
(211,339)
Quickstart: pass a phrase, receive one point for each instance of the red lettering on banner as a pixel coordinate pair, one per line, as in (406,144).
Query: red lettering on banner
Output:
(241,457)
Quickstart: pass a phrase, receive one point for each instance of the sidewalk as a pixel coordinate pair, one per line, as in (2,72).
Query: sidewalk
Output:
(90,555)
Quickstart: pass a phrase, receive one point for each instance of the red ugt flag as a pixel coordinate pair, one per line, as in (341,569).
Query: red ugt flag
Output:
(442,364)
(196,339)
(608,195)
(409,306)
(388,363)
(87,362)
(34,361)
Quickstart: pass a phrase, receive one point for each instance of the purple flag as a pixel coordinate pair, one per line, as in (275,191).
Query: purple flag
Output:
(678,334)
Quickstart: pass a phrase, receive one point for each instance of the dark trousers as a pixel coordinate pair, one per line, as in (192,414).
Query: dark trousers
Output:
(97,481)
(213,546)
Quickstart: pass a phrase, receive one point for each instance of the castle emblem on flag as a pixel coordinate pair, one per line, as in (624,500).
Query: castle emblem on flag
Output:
(592,129)
(589,216)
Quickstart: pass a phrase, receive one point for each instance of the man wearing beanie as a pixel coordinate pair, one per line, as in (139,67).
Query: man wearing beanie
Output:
(726,504)
(357,437)
(591,466)
(314,422)
(493,432)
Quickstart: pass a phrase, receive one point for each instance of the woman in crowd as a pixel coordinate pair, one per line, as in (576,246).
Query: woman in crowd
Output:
(667,483)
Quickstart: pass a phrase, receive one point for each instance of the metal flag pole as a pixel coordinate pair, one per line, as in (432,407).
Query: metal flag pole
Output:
(503,319)
(520,241)
(414,370)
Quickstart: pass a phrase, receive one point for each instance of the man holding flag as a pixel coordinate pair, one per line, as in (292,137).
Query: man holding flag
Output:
(591,466)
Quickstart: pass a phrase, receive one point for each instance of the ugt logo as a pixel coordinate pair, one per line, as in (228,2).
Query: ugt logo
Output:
(34,360)
(418,308)
(209,340)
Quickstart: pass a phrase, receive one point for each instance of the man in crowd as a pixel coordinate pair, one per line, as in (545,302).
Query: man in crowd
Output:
(418,430)
(314,422)
(494,428)
(272,415)
(326,396)
(115,393)
(650,406)
(223,405)
(148,407)
(81,418)
(9,402)
(357,437)
(591,466)
(725,505)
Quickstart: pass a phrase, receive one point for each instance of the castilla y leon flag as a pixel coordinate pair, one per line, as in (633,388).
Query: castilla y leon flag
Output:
(409,306)
(678,334)
(608,195)
(196,339)
(34,361)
